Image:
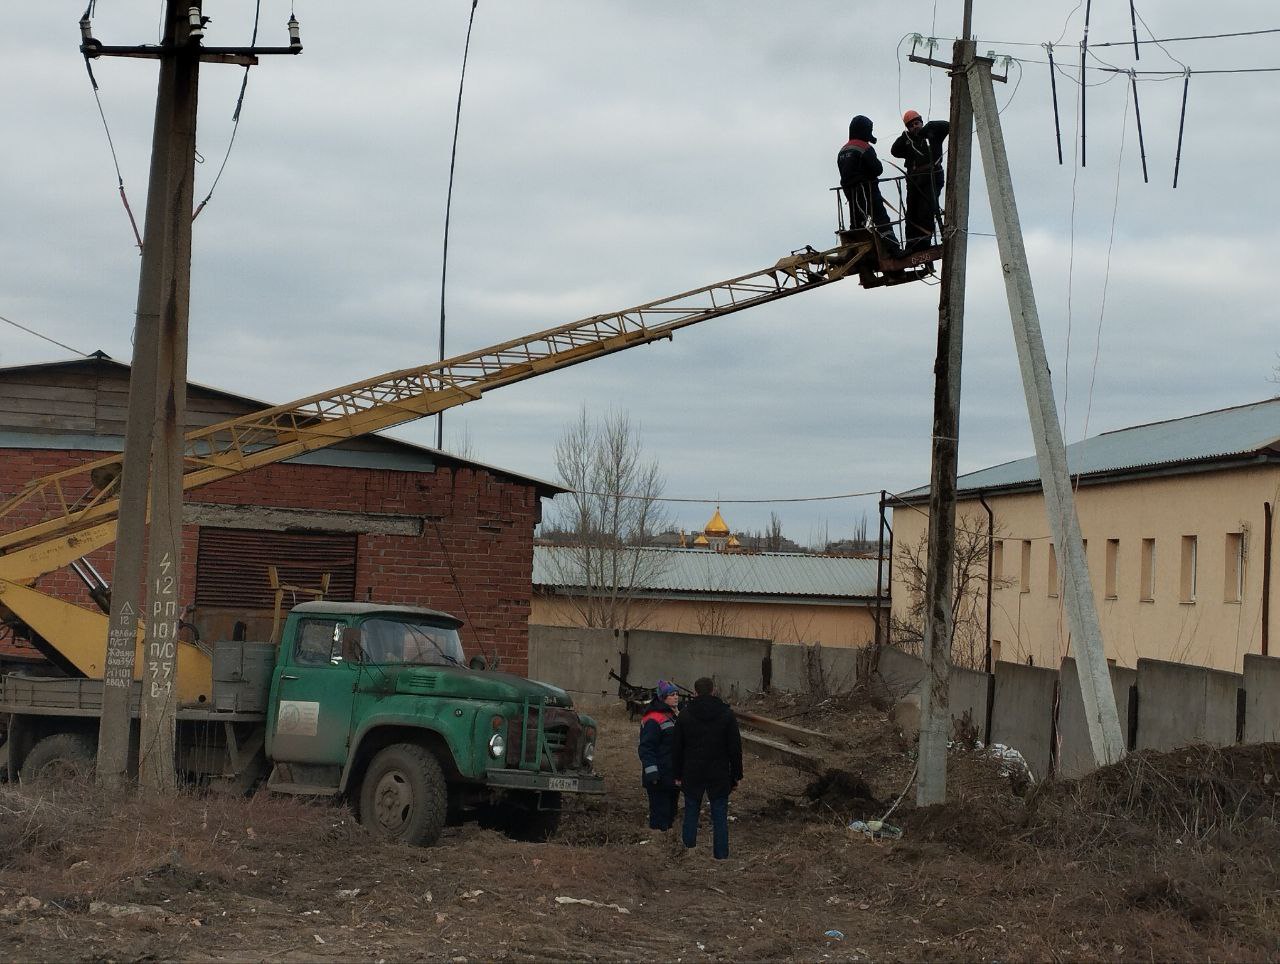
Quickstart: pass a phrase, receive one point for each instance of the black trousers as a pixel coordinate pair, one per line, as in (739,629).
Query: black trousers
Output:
(923,191)
(662,806)
(866,203)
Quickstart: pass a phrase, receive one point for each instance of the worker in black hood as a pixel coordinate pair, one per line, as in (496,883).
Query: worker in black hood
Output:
(706,755)
(860,170)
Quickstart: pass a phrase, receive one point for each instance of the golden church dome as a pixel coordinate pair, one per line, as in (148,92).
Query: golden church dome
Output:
(717,526)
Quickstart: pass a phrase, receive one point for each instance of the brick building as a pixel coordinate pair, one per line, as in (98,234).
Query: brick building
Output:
(386,520)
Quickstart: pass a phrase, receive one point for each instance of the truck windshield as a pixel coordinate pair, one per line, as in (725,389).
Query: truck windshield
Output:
(404,641)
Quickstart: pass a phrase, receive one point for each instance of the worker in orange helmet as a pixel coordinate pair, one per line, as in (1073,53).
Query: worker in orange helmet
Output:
(920,147)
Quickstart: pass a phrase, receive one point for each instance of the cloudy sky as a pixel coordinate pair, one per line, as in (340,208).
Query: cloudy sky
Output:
(615,152)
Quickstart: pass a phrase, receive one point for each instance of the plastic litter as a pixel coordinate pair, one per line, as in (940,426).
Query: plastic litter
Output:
(837,935)
(592,903)
(876,829)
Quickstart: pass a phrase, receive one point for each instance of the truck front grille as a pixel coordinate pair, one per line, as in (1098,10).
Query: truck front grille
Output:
(561,735)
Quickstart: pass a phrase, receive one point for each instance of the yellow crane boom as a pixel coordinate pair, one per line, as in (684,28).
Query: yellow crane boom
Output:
(81,503)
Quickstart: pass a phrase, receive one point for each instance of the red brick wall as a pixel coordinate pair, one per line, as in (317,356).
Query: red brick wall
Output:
(478,528)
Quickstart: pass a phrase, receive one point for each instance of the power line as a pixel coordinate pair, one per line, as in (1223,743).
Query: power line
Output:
(235,117)
(52,341)
(1126,43)
(448,204)
(651,498)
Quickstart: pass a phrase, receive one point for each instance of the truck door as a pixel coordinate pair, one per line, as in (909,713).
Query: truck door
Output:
(310,720)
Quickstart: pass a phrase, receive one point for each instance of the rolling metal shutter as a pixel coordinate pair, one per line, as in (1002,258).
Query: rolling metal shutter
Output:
(231,565)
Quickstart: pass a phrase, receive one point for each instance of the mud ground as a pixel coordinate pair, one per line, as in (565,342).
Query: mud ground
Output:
(1167,857)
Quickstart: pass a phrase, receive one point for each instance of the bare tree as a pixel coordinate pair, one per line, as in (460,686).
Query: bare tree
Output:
(611,513)
(968,604)
(460,443)
(773,536)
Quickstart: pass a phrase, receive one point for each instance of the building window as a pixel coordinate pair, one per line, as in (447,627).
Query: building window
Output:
(995,652)
(1053,572)
(997,562)
(1147,578)
(1024,583)
(1233,583)
(1113,557)
(1188,578)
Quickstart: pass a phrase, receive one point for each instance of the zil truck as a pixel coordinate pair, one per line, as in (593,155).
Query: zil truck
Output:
(372,703)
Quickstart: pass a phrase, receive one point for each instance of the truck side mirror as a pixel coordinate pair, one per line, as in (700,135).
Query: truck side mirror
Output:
(352,651)
(478,662)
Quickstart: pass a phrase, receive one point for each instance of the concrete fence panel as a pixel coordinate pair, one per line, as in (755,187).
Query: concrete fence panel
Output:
(1022,717)
(577,660)
(1262,699)
(1075,751)
(736,663)
(794,667)
(968,691)
(900,671)
(1179,705)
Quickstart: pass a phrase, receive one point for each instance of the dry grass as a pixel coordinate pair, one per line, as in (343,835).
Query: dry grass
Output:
(1164,857)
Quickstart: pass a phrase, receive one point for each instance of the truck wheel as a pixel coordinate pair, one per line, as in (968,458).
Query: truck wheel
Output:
(404,795)
(523,821)
(63,756)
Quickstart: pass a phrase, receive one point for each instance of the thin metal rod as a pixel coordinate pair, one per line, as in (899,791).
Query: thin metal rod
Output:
(1137,113)
(1133,22)
(1053,87)
(1182,120)
(1084,87)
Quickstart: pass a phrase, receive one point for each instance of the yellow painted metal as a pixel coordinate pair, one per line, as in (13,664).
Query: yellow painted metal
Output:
(285,431)
(81,638)
(81,505)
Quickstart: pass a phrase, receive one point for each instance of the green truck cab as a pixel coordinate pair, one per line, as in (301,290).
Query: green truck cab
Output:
(371,703)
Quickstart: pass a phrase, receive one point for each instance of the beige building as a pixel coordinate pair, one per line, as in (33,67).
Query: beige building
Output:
(1178,522)
(719,590)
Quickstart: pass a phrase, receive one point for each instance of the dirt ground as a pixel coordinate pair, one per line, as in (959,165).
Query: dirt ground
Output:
(1163,857)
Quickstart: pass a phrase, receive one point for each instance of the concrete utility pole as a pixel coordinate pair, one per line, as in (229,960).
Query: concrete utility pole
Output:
(157,410)
(158,374)
(972,97)
(1082,615)
(935,699)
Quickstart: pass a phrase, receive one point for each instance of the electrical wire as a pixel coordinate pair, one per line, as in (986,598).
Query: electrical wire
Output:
(111,144)
(1125,43)
(52,341)
(448,204)
(652,498)
(1106,280)
(235,117)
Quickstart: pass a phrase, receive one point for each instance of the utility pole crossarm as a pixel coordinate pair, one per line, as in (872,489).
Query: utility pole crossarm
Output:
(285,431)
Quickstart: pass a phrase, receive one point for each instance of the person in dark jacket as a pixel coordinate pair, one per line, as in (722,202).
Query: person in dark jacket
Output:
(707,756)
(860,170)
(920,147)
(657,731)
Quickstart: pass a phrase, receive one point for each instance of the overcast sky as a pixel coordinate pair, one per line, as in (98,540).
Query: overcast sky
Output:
(615,152)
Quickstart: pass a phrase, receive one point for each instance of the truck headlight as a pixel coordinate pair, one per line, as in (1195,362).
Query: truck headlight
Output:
(497,746)
(589,752)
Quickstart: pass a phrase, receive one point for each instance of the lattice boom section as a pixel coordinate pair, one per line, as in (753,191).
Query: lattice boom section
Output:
(87,494)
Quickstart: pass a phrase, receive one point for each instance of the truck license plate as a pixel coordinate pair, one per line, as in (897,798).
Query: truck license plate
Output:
(562,783)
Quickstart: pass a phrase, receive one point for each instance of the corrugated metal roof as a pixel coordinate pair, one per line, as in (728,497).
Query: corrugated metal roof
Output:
(730,573)
(1226,433)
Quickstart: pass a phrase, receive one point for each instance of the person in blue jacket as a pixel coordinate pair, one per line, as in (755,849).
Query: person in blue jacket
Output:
(657,727)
